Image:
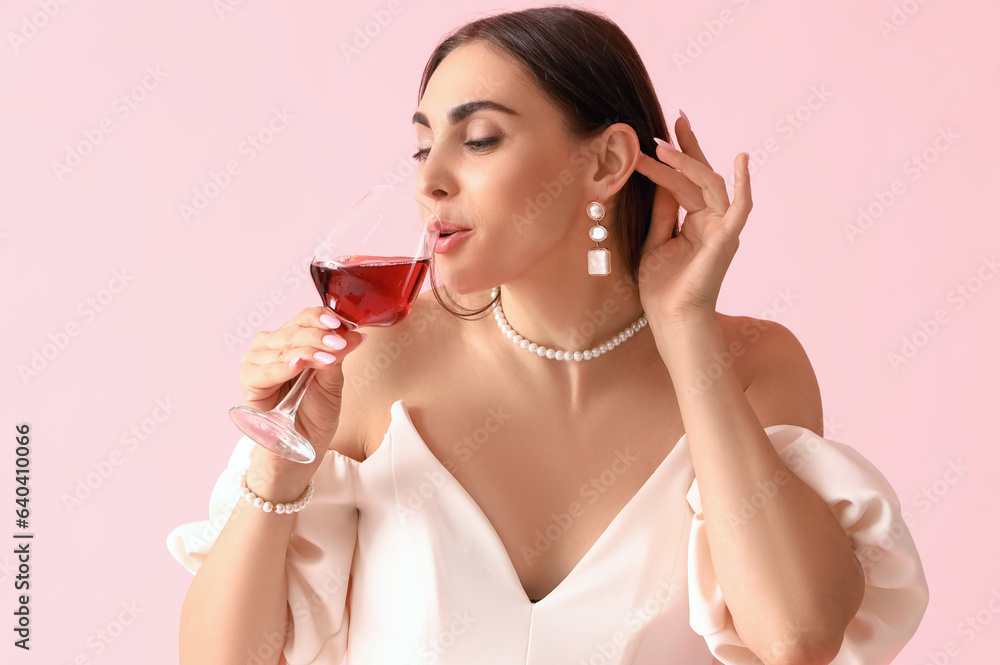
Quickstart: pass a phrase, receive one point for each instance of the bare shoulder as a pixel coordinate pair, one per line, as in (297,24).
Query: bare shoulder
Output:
(376,371)
(779,379)
(762,345)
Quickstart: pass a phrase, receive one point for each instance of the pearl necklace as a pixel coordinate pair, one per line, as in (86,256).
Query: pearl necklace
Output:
(530,346)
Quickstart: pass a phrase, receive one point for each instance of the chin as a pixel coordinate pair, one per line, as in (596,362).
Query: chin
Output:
(460,288)
(462,284)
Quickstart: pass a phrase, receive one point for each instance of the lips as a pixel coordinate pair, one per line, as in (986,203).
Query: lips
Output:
(447,243)
(446,228)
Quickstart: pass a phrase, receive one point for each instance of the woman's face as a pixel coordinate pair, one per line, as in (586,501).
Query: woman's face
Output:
(522,191)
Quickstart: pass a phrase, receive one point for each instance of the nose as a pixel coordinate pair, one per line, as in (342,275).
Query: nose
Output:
(434,181)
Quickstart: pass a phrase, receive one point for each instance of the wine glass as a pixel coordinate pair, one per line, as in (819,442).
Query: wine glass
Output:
(391,236)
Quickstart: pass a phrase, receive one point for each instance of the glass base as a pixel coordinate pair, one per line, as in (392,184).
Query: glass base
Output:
(275,432)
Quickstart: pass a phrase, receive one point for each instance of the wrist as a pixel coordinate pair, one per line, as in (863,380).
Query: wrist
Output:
(275,493)
(276,479)
(274,497)
(687,336)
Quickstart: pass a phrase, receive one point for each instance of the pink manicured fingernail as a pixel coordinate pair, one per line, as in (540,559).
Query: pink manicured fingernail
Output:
(329,321)
(665,144)
(335,342)
(293,361)
(684,115)
(324,357)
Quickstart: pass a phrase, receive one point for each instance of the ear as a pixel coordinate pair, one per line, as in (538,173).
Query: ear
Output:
(615,153)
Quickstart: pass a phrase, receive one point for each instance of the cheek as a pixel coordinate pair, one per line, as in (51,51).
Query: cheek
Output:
(531,199)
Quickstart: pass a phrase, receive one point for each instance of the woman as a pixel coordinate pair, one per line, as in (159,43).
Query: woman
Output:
(672,500)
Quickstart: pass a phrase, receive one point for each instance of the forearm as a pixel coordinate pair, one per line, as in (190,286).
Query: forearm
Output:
(237,604)
(782,568)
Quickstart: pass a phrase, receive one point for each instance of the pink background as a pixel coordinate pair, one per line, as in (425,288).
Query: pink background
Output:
(885,100)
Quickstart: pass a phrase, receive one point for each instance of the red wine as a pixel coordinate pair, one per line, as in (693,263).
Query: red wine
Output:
(370,290)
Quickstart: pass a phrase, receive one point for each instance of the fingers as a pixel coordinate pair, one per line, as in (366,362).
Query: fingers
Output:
(711,184)
(313,338)
(686,192)
(689,142)
(308,329)
(742,201)
(263,369)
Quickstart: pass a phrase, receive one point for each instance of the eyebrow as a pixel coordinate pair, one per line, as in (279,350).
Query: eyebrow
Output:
(462,111)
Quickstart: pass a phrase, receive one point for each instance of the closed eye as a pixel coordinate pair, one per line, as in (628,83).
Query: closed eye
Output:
(421,155)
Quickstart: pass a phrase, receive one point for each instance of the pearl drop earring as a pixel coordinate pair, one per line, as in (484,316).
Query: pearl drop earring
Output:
(598,259)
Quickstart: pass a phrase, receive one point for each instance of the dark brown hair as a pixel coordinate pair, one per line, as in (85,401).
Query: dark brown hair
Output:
(592,72)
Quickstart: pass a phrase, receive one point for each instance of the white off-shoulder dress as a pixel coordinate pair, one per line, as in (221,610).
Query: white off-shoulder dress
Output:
(431,581)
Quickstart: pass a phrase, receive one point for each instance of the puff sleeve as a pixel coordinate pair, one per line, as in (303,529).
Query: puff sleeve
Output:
(868,509)
(319,557)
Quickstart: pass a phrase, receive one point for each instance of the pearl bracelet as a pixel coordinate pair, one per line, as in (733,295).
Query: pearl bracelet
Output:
(291,507)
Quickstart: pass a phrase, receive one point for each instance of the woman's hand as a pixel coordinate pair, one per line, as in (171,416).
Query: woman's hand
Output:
(680,278)
(277,357)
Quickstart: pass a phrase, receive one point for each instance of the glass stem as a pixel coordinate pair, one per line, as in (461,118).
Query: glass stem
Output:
(290,404)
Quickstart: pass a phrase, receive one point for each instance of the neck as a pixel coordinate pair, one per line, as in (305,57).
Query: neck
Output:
(571,317)
(574,313)
(557,304)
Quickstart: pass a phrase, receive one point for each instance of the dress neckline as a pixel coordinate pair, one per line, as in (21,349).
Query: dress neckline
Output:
(399,408)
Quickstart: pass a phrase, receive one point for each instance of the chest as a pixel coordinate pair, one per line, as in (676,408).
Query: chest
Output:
(548,480)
